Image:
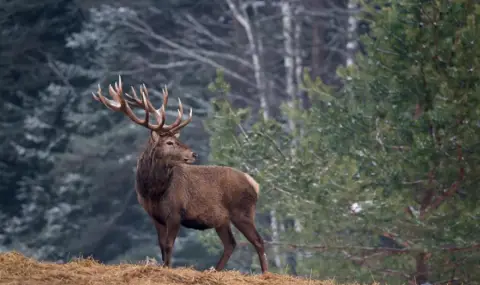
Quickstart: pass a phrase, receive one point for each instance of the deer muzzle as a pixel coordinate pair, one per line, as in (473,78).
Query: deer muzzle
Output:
(191,159)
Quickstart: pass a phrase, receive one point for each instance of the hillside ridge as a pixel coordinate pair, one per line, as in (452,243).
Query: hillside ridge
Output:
(16,268)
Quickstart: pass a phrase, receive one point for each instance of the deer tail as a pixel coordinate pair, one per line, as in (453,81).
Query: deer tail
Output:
(254,183)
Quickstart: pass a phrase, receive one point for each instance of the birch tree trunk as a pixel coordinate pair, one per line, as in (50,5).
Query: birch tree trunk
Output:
(289,61)
(351,35)
(298,57)
(241,16)
(293,70)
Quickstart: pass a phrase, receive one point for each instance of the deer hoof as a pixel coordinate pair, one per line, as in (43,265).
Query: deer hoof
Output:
(266,275)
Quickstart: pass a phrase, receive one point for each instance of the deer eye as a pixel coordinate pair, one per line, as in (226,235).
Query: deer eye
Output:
(170,143)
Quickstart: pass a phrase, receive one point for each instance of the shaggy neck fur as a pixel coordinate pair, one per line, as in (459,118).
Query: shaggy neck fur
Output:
(154,173)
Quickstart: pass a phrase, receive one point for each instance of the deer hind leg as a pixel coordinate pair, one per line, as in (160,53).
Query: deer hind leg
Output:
(226,236)
(171,234)
(246,225)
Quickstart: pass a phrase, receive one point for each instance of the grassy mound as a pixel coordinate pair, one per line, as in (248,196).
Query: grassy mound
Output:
(18,269)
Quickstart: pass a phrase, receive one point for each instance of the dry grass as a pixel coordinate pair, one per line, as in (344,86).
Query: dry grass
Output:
(18,269)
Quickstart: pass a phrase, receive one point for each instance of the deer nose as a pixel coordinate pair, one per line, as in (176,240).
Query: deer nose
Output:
(194,154)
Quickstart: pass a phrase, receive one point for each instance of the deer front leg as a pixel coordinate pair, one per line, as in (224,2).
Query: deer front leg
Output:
(171,234)
(162,238)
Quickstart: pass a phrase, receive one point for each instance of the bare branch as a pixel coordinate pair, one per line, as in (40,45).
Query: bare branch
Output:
(142,27)
(201,29)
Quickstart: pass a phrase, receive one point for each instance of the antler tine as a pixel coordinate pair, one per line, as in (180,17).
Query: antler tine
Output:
(165,100)
(178,124)
(184,123)
(139,101)
(111,104)
(165,95)
(134,99)
(178,119)
(159,114)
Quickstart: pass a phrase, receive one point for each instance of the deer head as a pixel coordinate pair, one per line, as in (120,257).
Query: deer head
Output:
(163,137)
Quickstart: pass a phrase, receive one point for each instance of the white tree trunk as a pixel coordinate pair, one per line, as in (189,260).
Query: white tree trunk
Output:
(298,78)
(275,237)
(298,55)
(352,30)
(242,18)
(293,70)
(289,62)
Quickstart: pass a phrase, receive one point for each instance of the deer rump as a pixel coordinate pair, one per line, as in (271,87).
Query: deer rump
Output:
(197,197)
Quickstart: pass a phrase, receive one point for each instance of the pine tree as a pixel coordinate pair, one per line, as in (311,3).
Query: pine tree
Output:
(384,179)
(32,121)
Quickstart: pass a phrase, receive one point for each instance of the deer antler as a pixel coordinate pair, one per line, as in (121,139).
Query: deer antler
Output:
(120,104)
(175,126)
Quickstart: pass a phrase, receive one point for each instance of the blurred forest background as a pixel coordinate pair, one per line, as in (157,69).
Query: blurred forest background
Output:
(360,120)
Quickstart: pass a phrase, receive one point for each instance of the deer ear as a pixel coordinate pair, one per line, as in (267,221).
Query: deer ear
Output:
(177,135)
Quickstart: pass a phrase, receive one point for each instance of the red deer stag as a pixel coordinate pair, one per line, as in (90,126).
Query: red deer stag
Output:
(174,192)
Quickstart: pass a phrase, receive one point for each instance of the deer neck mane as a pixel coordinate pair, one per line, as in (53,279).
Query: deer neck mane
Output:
(154,173)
